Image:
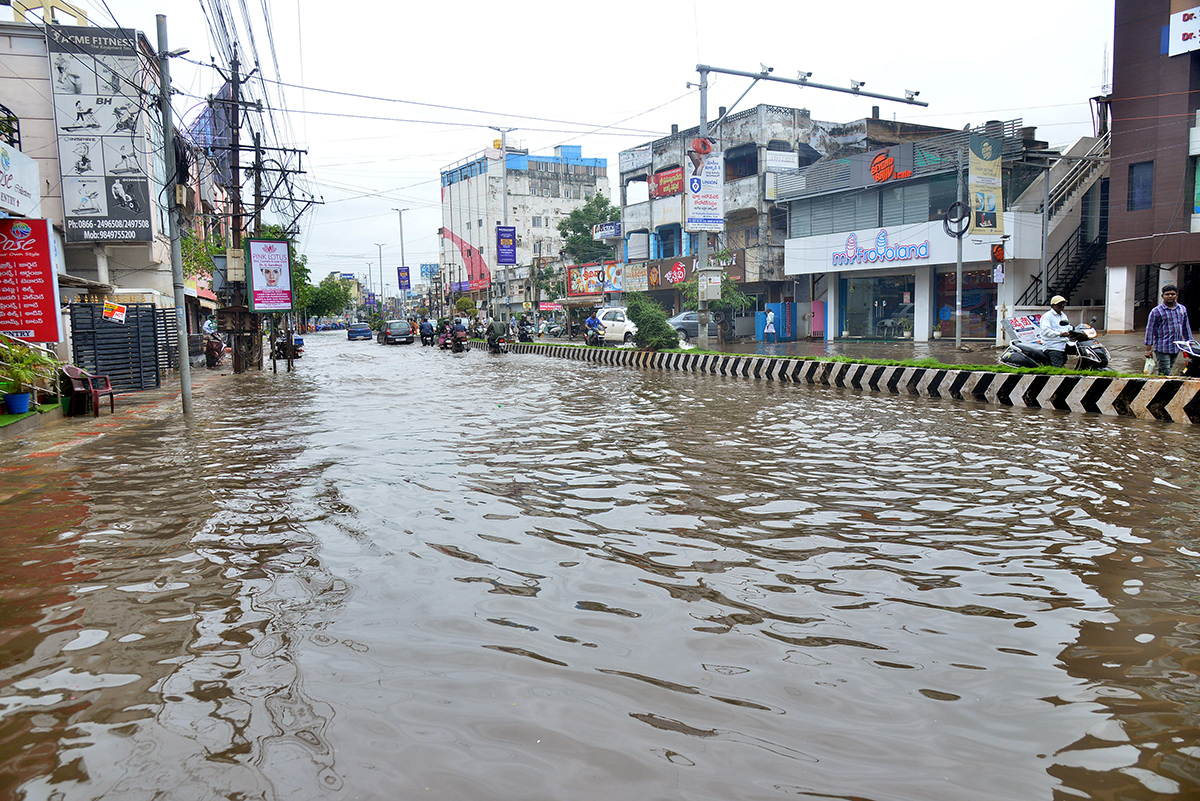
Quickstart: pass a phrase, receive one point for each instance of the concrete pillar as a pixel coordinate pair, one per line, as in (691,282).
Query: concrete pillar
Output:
(833,302)
(923,304)
(1118,300)
(101,254)
(1167,274)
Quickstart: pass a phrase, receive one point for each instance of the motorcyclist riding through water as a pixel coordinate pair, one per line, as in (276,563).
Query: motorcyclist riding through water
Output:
(495,335)
(594,328)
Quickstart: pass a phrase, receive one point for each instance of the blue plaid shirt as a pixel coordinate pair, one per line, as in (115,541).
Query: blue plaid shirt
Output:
(1166,326)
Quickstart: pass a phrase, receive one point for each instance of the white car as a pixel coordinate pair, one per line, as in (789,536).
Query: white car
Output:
(617,325)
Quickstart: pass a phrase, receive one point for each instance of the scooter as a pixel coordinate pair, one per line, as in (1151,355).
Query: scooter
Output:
(525,333)
(445,337)
(1191,352)
(595,337)
(458,342)
(1082,343)
(496,345)
(427,336)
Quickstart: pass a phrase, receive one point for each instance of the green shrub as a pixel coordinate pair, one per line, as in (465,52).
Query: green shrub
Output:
(653,330)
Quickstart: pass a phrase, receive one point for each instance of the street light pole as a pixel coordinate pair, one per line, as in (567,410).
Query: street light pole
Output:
(504,200)
(381,290)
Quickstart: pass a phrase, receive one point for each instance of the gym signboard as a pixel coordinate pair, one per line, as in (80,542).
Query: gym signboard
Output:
(100,127)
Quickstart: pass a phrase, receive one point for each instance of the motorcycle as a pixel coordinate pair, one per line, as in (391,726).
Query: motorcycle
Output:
(458,342)
(444,338)
(427,336)
(496,345)
(1082,343)
(525,333)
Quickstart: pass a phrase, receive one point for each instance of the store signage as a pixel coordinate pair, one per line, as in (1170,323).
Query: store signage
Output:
(545,306)
(587,279)
(269,274)
(608,230)
(1184,29)
(100,128)
(19,192)
(506,244)
(347,276)
(882,252)
(635,277)
(667,183)
(28,282)
(883,168)
(614,277)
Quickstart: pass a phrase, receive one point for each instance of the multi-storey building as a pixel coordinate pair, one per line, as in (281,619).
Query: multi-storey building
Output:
(1155,228)
(871,254)
(505,185)
(758,146)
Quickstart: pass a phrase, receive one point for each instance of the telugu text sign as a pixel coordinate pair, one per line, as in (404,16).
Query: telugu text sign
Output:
(28,282)
(704,193)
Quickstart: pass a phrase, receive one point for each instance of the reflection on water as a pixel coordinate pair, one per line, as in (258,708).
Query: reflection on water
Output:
(401,572)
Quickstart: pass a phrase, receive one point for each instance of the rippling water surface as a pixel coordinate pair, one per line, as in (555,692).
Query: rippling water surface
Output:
(400,573)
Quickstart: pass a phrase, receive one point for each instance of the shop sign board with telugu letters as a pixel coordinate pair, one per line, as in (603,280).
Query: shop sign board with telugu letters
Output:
(28,281)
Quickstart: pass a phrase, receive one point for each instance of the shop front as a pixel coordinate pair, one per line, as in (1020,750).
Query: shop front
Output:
(899,282)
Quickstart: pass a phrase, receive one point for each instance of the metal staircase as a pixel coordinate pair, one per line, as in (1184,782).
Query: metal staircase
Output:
(1069,266)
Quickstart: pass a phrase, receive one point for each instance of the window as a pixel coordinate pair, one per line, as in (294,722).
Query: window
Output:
(481,223)
(943,191)
(537,248)
(537,222)
(1141,186)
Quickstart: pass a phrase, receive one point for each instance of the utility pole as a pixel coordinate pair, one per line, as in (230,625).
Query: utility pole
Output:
(381,292)
(958,271)
(702,314)
(168,124)
(504,200)
(258,170)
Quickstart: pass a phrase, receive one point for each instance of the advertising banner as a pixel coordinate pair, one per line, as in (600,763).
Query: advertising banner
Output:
(19,190)
(666,183)
(608,230)
(114,312)
(429,270)
(704,197)
(635,277)
(548,306)
(587,279)
(506,244)
(614,277)
(269,274)
(347,276)
(984,184)
(102,144)
(28,282)
(402,278)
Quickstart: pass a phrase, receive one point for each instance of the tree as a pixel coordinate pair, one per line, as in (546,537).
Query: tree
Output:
(576,230)
(329,298)
(653,330)
(466,307)
(732,298)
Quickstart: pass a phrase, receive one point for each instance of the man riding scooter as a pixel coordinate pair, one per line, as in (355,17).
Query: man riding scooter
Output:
(495,336)
(594,329)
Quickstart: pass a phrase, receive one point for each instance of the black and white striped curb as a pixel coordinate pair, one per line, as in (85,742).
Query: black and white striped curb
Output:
(1168,399)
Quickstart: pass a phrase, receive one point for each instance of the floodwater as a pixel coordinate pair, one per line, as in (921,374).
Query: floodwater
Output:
(401,573)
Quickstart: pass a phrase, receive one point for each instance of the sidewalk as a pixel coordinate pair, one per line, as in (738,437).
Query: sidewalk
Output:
(54,433)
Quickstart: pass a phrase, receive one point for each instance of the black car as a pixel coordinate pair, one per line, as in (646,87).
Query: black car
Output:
(394,331)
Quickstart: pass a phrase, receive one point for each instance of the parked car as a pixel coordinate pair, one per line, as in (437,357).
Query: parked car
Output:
(359,331)
(687,325)
(617,325)
(394,331)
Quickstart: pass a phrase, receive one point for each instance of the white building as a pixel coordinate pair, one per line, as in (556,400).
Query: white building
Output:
(537,192)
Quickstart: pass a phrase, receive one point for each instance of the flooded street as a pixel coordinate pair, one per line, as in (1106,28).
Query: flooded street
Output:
(402,573)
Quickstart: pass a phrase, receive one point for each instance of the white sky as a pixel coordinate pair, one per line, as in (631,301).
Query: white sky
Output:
(565,73)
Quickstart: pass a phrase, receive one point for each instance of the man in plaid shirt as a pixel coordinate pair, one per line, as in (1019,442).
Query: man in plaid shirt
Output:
(1167,324)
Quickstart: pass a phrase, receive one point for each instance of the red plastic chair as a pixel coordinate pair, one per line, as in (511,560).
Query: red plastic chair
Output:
(84,385)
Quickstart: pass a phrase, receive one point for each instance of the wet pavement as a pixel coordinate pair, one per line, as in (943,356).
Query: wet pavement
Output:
(400,572)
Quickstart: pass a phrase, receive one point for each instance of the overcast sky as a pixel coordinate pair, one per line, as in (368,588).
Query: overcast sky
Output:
(607,76)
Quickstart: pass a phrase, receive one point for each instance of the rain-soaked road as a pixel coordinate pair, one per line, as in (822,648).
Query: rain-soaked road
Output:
(400,573)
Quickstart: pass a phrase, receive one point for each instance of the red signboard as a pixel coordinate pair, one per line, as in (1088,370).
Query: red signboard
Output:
(669,182)
(28,285)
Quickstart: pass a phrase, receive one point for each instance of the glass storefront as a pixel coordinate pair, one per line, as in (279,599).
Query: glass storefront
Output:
(877,308)
(978,304)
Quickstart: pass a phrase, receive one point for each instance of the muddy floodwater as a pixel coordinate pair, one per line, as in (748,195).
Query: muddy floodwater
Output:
(401,573)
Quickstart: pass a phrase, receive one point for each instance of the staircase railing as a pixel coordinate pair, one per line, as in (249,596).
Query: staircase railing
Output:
(1068,267)
(1078,174)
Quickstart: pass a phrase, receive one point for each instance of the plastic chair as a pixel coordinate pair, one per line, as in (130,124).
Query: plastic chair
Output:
(90,388)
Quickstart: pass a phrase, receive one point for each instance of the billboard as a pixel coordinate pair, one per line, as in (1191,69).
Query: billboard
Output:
(1184,28)
(269,274)
(28,281)
(100,126)
(586,279)
(984,185)
(19,175)
(666,183)
(704,195)
(506,244)
(402,278)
